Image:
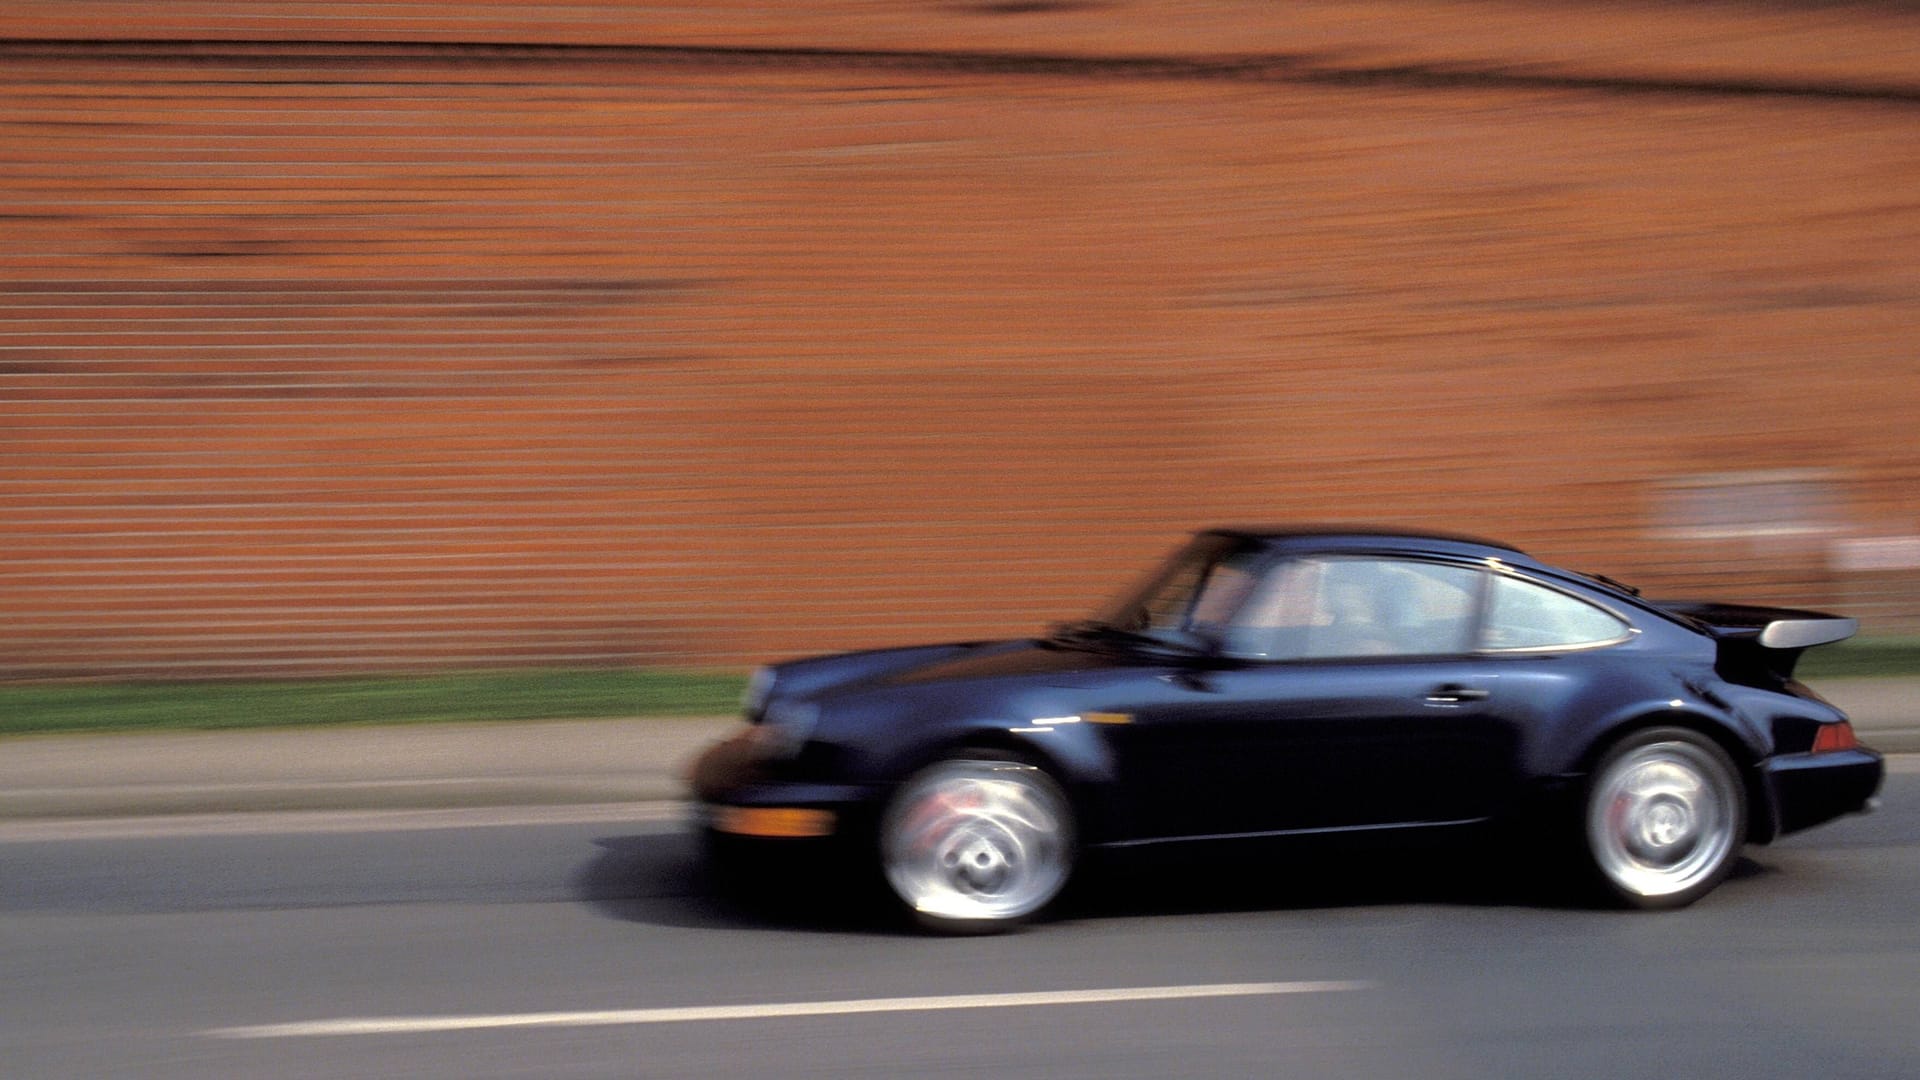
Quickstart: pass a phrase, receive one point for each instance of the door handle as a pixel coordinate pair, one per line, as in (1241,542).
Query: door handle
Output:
(1454,695)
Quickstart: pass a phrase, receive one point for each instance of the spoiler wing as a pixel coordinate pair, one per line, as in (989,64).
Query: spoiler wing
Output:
(1756,641)
(1806,633)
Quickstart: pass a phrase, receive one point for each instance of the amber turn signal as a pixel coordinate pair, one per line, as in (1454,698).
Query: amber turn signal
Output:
(784,821)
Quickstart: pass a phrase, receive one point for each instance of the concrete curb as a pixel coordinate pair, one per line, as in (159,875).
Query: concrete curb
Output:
(437,793)
(641,815)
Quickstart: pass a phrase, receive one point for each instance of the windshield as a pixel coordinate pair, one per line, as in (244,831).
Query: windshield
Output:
(1197,590)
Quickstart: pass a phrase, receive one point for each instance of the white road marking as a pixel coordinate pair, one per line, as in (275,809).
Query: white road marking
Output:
(412,1025)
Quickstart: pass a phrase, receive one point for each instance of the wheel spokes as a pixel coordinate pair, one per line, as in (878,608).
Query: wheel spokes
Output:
(978,841)
(1666,819)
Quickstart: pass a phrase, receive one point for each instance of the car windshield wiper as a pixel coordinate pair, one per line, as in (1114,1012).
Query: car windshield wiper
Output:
(1091,629)
(1095,630)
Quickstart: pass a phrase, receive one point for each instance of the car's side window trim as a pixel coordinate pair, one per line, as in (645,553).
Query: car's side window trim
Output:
(1499,570)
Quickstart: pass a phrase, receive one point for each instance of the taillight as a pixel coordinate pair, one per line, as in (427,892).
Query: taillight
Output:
(1835,737)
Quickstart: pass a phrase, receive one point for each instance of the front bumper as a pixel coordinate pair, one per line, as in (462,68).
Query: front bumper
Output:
(1809,789)
(740,792)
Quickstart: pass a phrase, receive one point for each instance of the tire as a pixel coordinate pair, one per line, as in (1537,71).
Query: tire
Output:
(976,843)
(1664,818)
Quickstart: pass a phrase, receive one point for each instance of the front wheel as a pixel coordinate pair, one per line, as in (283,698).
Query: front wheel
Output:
(977,844)
(1666,814)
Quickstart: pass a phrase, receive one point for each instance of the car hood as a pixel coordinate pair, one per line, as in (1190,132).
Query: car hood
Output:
(1015,660)
(1021,660)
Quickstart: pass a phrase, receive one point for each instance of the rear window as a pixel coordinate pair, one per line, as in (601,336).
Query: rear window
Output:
(1525,615)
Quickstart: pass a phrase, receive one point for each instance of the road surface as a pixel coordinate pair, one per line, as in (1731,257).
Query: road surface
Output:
(571,942)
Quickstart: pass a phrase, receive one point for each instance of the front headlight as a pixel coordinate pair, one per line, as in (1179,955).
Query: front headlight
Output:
(754,698)
(786,727)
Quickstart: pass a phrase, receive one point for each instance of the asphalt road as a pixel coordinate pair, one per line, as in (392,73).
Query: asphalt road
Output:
(577,943)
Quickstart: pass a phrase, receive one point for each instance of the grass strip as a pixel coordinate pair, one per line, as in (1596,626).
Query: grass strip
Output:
(1869,658)
(35,708)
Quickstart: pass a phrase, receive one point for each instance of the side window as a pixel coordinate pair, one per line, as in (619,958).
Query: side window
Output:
(1523,615)
(1338,606)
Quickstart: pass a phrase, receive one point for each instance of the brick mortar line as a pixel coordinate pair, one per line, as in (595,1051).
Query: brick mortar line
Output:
(1298,68)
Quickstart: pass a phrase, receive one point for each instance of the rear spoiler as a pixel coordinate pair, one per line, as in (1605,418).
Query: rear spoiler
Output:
(1764,642)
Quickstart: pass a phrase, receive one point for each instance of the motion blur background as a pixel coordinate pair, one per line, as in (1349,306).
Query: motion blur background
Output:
(362,337)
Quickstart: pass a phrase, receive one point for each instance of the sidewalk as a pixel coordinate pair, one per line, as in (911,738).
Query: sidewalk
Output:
(443,766)
(415,766)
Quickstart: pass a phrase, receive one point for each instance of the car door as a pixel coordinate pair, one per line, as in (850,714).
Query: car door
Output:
(1321,715)
(1284,747)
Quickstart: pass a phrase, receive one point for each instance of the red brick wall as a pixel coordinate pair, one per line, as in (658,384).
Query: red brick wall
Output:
(361,337)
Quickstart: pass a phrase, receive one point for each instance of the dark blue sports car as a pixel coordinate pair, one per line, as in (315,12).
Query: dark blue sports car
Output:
(1271,682)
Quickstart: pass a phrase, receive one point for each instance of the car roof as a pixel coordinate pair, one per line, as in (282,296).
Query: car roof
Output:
(1372,537)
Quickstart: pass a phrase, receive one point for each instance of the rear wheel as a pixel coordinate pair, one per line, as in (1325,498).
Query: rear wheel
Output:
(1666,814)
(975,843)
